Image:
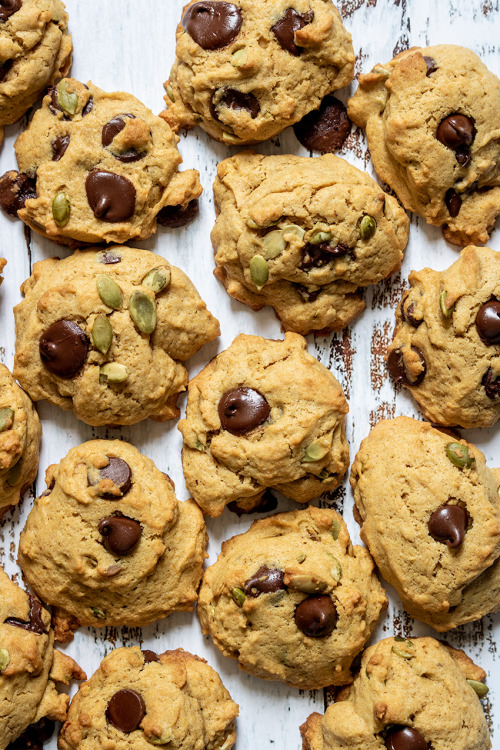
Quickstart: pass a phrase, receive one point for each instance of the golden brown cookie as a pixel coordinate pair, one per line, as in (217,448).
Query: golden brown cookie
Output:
(3,263)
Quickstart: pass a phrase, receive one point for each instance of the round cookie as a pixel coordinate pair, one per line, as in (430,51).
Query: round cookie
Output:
(292,599)
(139,699)
(446,346)
(431,118)
(245,71)
(430,515)
(20,435)
(410,694)
(302,235)
(263,414)
(95,167)
(108,543)
(105,332)
(30,669)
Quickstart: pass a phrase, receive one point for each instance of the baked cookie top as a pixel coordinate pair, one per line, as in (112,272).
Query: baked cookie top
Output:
(101,167)
(446,346)
(431,117)
(29,666)
(302,235)
(108,543)
(429,510)
(410,694)
(263,414)
(245,71)
(20,434)
(292,599)
(104,332)
(139,699)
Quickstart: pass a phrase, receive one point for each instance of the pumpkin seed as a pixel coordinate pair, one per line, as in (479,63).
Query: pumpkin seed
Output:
(368,227)
(199,446)
(170,93)
(102,333)
(239,58)
(6,418)
(230,139)
(274,244)
(142,310)
(109,291)
(259,271)
(157,279)
(294,230)
(447,311)
(399,650)
(61,209)
(314,452)
(459,455)
(113,372)
(382,71)
(239,596)
(301,558)
(4,659)
(252,224)
(335,530)
(336,571)
(66,100)
(319,237)
(479,687)
(165,739)
(99,613)
(14,473)
(307,584)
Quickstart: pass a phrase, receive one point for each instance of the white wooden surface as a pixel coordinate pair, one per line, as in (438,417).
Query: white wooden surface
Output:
(126,45)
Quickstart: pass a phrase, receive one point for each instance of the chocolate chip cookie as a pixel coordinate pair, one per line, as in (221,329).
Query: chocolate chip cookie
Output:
(446,346)
(108,543)
(263,414)
(95,167)
(430,515)
(20,434)
(30,669)
(431,117)
(105,332)
(245,71)
(302,235)
(140,699)
(3,263)
(292,600)
(410,694)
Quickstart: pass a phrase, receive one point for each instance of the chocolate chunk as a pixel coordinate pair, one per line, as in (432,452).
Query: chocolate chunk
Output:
(408,313)
(174,217)
(488,322)
(491,384)
(453,202)
(449,524)
(64,348)
(306,294)
(455,131)
(4,69)
(8,8)
(316,616)
(150,656)
(317,256)
(118,471)
(109,258)
(397,370)
(35,623)
(284,29)
(111,129)
(266,503)
(265,581)
(121,534)
(59,147)
(325,129)
(405,738)
(431,65)
(89,106)
(242,410)
(111,196)
(15,189)
(34,736)
(234,99)
(212,25)
(126,710)
(54,104)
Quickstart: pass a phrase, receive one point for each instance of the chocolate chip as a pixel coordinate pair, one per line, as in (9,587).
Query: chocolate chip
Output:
(491,384)
(405,738)
(109,258)
(211,24)
(89,106)
(408,312)
(317,256)
(265,581)
(54,104)
(448,524)
(316,616)
(456,130)
(4,69)
(284,29)
(325,129)
(431,65)
(118,471)
(8,8)
(126,710)
(111,129)
(266,503)
(64,348)
(150,656)
(111,196)
(34,736)
(234,99)
(15,189)
(174,217)
(242,410)
(35,623)
(121,534)
(453,202)
(488,322)
(59,147)
(397,370)
(306,294)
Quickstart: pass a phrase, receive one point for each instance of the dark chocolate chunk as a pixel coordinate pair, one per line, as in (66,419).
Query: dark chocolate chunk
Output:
(449,524)
(174,217)
(266,503)
(431,64)
(126,710)
(317,256)
(4,69)
(408,312)
(488,322)
(64,348)
(397,370)
(234,99)
(120,474)
(265,581)
(89,106)
(456,130)
(491,384)
(453,202)
(34,736)
(150,656)
(15,189)
(212,25)
(109,258)
(121,534)
(242,410)
(316,616)
(111,196)
(405,738)
(284,29)
(306,294)
(111,129)
(8,8)
(35,623)
(59,147)
(325,129)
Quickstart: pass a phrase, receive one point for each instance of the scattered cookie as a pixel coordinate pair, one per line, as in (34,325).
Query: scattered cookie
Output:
(292,600)
(95,167)
(303,235)
(263,414)
(3,263)
(246,71)
(410,694)
(105,332)
(325,129)
(30,669)
(108,543)
(446,346)
(431,117)
(139,699)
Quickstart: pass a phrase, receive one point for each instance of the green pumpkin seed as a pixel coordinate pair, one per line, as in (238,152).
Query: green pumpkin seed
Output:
(99,613)
(66,100)
(157,279)
(252,224)
(301,558)
(142,310)
(402,653)
(102,333)
(113,372)
(314,452)
(479,687)
(368,227)
(459,455)
(307,584)
(4,659)
(319,237)
(163,740)
(274,244)
(230,139)
(336,570)
(447,311)
(61,209)
(335,530)
(170,93)
(239,596)
(199,446)
(294,230)
(239,58)
(14,473)
(259,271)
(6,418)
(382,71)
(109,292)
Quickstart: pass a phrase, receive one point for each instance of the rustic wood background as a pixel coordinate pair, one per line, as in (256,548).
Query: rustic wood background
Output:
(125,45)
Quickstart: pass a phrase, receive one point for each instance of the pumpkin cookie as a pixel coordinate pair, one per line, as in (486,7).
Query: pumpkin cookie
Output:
(3,263)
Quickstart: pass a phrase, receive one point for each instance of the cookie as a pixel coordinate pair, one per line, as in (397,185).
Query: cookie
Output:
(139,699)
(105,333)
(30,669)
(35,50)
(95,167)
(431,117)
(263,414)
(245,71)
(446,346)
(20,435)
(430,515)
(292,600)
(304,235)
(108,543)
(410,694)
(3,263)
